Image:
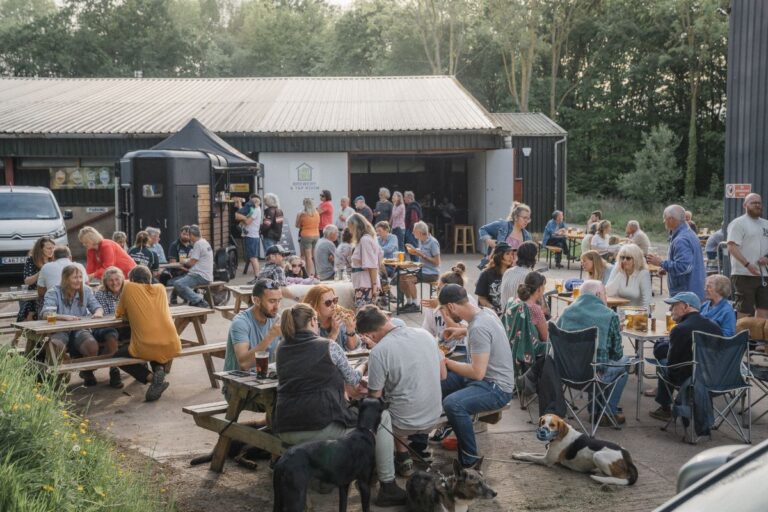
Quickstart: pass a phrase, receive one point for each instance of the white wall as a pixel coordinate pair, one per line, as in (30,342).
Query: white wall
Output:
(320,171)
(476,193)
(499,183)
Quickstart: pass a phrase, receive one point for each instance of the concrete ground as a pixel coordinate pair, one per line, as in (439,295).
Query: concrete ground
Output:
(161,431)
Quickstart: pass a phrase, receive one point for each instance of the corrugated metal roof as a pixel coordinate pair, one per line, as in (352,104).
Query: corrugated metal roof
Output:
(527,124)
(238,105)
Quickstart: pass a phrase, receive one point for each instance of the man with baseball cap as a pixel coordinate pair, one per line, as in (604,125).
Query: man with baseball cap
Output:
(274,271)
(363,209)
(684,307)
(486,381)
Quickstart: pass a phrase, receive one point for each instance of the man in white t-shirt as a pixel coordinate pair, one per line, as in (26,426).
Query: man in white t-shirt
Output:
(50,273)
(344,213)
(405,367)
(199,270)
(250,215)
(748,246)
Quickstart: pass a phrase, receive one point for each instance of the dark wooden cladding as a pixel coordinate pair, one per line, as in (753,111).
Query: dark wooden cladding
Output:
(746,146)
(541,190)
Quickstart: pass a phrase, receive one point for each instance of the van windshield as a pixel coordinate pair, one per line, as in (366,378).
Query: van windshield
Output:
(26,206)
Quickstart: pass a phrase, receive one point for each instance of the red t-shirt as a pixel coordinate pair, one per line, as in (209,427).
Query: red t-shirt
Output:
(109,254)
(326,213)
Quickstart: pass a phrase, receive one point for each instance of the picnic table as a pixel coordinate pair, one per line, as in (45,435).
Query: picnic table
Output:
(574,239)
(37,332)
(613,302)
(243,388)
(406,267)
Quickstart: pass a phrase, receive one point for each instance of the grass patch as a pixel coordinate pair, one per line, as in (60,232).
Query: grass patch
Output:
(52,460)
(707,213)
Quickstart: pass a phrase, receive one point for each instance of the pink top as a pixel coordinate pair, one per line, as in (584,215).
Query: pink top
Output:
(537,314)
(326,213)
(398,216)
(366,254)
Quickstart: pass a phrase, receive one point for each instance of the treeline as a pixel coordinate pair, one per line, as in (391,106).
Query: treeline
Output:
(608,71)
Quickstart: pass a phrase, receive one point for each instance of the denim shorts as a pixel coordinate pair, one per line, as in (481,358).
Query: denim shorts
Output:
(252,247)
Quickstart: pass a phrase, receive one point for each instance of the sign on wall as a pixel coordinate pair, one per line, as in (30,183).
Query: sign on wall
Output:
(737,190)
(81,178)
(305,177)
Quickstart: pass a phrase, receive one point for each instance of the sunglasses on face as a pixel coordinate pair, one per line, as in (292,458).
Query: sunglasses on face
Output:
(269,284)
(331,302)
(626,258)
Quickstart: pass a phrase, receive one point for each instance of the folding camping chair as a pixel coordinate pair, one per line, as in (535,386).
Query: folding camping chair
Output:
(720,366)
(575,356)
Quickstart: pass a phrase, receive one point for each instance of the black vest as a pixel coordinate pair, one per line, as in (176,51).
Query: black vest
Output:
(310,389)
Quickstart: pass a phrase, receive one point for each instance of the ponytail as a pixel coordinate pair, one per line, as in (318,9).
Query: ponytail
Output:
(455,275)
(533,281)
(294,319)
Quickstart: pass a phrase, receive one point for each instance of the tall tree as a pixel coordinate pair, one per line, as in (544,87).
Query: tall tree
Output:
(442,28)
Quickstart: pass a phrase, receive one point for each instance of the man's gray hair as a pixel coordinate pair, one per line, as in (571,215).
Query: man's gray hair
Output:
(329,229)
(409,195)
(633,224)
(343,198)
(386,192)
(422,227)
(194,230)
(61,251)
(675,211)
(592,287)
(271,200)
(153,231)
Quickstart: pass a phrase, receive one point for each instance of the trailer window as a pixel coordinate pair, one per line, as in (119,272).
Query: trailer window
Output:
(154,190)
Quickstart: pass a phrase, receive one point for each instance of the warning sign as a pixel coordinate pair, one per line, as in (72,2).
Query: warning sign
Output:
(737,190)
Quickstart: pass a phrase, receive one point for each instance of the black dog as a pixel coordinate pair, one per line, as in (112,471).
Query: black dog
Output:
(339,462)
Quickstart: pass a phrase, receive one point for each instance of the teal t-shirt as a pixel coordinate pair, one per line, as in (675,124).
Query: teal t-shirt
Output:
(245,329)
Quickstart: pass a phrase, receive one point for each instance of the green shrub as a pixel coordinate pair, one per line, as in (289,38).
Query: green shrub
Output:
(656,174)
(52,460)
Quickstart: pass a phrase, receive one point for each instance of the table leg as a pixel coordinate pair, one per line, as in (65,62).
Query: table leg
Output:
(640,375)
(238,301)
(202,340)
(222,445)
(399,295)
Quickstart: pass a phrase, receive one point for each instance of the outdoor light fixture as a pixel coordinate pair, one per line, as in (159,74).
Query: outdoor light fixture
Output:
(526,152)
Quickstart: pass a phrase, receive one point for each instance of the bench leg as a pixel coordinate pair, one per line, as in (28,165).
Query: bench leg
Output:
(222,445)
(206,357)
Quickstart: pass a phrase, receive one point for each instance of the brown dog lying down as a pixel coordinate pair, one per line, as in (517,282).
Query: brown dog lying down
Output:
(609,463)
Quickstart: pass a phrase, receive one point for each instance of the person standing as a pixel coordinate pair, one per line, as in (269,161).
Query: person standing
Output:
(486,381)
(413,214)
(198,268)
(383,210)
(325,209)
(554,235)
(366,260)
(363,209)
(748,245)
(308,224)
(344,214)
(250,216)
(684,264)
(510,230)
(397,220)
(325,253)
(102,254)
(272,224)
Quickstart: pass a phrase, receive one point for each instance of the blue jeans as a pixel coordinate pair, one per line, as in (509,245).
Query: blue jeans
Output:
(610,374)
(463,397)
(268,242)
(183,286)
(400,234)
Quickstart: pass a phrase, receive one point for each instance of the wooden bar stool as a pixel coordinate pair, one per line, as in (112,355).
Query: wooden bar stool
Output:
(467,239)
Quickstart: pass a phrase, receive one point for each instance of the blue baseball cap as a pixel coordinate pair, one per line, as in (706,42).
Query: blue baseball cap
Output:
(359,198)
(689,298)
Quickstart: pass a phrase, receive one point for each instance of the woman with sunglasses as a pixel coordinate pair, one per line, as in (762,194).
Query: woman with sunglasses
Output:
(332,323)
(631,279)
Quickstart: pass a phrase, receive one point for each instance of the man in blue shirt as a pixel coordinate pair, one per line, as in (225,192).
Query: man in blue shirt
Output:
(685,263)
(554,236)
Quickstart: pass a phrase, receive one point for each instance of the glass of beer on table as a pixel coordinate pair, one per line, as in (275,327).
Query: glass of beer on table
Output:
(559,286)
(262,364)
(670,322)
(51,317)
(576,292)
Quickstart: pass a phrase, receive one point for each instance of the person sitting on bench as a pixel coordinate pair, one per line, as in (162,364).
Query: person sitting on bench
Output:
(153,334)
(68,301)
(109,337)
(198,268)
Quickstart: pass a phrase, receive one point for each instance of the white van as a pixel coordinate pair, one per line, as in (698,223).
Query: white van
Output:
(26,214)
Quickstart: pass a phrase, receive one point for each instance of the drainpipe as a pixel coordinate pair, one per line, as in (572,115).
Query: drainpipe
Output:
(556,171)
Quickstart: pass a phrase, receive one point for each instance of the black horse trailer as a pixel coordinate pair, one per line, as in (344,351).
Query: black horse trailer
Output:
(190,178)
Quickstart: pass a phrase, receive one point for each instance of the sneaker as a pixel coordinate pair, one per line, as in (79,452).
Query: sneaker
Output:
(403,465)
(115,381)
(201,304)
(441,433)
(158,385)
(618,416)
(89,379)
(661,414)
(390,495)
(253,281)
(410,308)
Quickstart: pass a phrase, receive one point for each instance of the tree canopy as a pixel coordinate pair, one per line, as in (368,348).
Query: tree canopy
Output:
(608,71)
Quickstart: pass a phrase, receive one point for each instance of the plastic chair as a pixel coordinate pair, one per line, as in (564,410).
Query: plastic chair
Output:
(575,356)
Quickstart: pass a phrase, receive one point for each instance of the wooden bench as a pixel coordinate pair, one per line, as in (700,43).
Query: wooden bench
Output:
(205,290)
(227,311)
(98,362)
(549,251)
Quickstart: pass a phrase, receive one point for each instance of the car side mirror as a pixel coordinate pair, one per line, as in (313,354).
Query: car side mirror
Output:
(68,214)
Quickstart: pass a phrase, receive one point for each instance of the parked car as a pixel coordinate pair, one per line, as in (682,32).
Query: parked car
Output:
(724,478)
(26,214)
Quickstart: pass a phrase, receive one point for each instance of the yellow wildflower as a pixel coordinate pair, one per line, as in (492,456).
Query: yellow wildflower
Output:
(48,488)
(80,488)
(83,453)
(39,397)
(15,407)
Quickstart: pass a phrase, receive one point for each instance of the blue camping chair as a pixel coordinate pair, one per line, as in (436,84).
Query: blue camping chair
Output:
(575,357)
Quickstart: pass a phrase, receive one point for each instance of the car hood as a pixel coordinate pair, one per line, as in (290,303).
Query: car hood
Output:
(32,228)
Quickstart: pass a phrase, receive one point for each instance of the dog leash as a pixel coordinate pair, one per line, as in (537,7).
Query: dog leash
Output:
(414,453)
